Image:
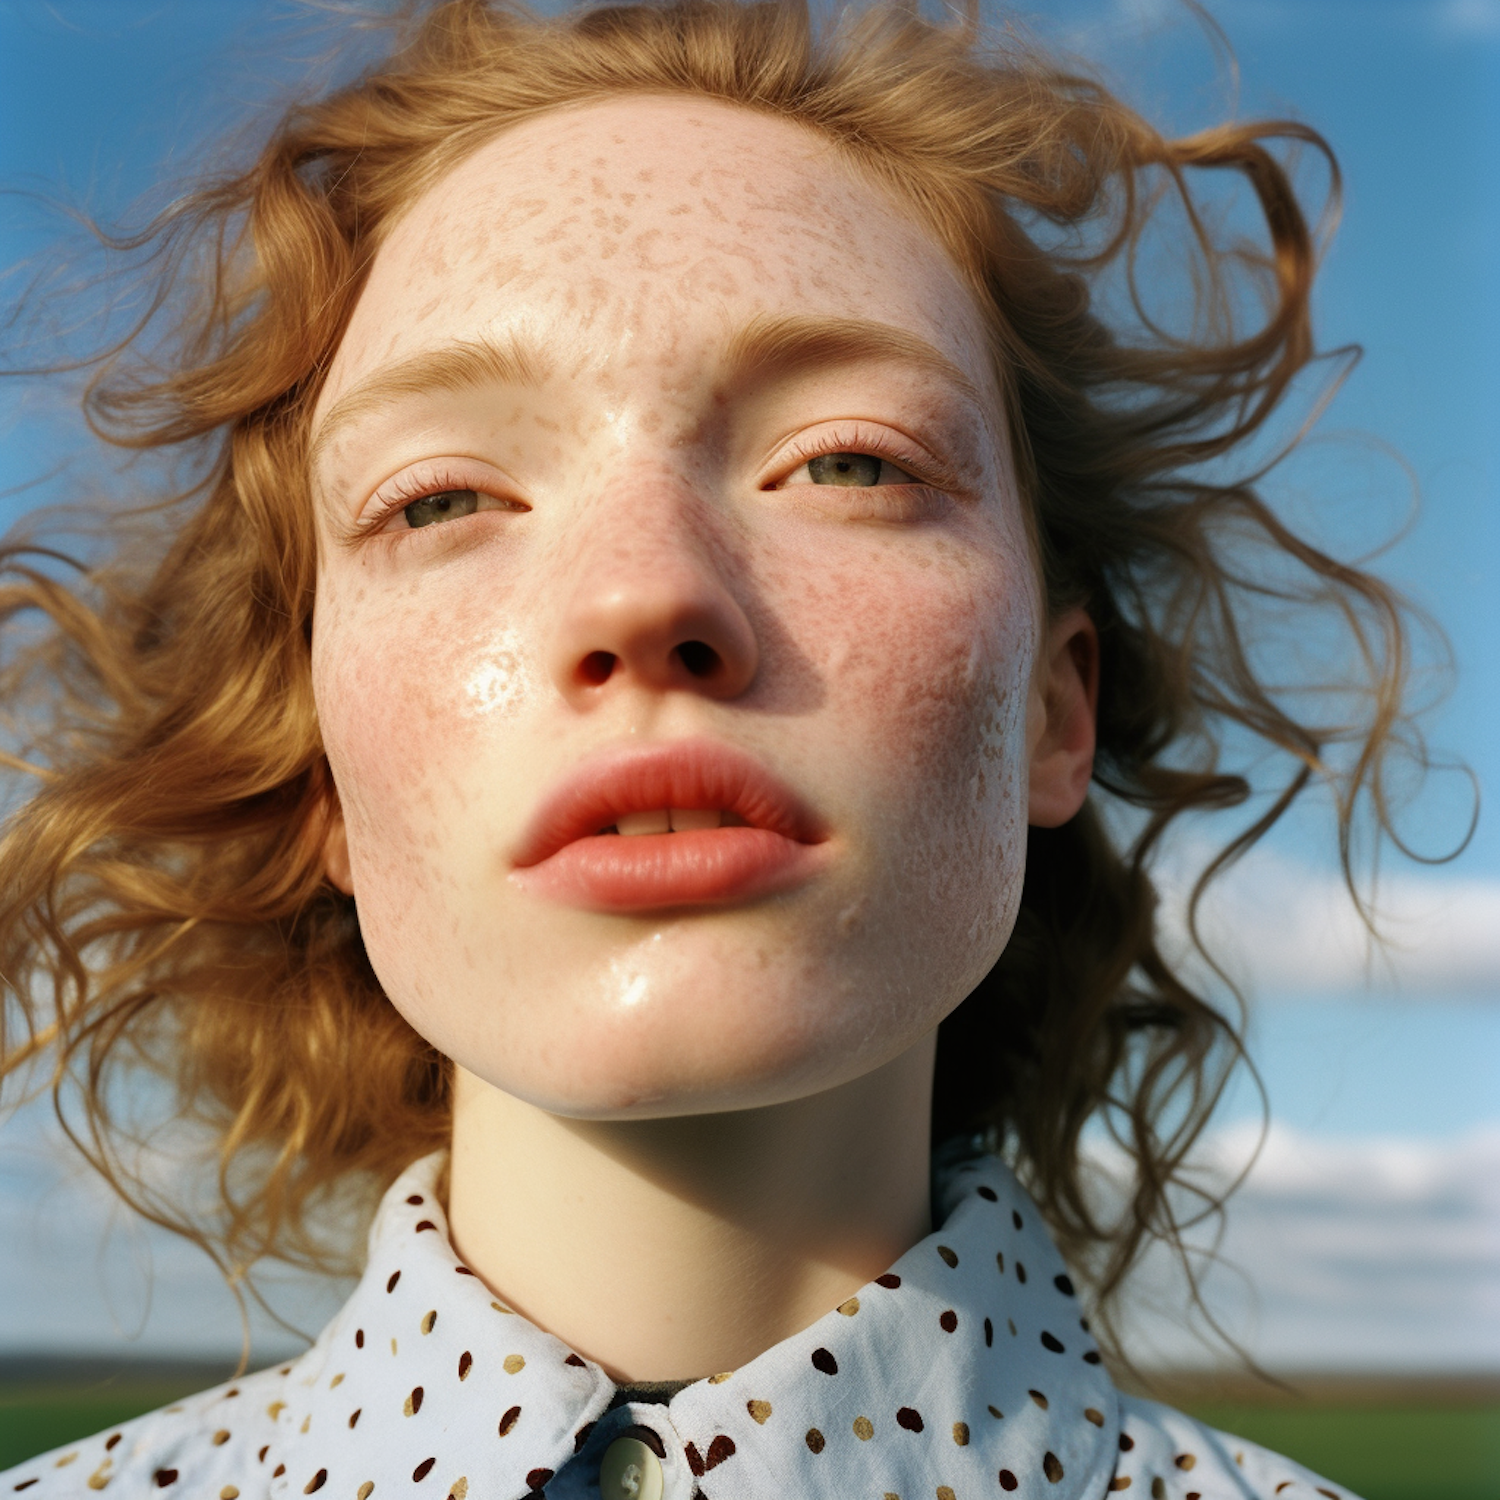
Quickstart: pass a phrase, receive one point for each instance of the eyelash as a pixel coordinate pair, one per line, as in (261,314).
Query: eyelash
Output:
(923,468)
(398,493)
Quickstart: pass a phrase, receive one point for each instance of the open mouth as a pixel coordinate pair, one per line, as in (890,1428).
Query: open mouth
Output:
(691,822)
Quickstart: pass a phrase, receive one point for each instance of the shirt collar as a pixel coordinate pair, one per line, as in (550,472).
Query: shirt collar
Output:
(966,1363)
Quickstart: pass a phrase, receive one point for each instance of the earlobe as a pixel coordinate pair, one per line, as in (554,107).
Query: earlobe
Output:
(1063,737)
(336,849)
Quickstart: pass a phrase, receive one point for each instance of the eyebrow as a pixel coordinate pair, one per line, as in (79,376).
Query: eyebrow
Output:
(463,365)
(764,345)
(785,344)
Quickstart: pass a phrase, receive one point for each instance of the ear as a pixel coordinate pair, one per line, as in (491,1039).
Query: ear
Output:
(1062,716)
(336,846)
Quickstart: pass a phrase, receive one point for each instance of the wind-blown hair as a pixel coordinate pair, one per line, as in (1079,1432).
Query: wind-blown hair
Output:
(162,895)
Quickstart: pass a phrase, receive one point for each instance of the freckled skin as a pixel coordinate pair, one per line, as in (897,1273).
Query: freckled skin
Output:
(893,684)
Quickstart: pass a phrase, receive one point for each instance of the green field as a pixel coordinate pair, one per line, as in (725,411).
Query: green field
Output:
(1379,1452)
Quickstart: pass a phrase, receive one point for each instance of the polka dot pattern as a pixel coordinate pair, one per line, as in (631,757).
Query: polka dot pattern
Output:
(964,1371)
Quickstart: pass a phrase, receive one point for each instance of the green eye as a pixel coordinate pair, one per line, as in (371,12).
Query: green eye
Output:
(443,506)
(861,469)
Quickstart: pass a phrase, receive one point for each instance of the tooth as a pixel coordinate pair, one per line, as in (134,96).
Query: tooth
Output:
(645,822)
(685,818)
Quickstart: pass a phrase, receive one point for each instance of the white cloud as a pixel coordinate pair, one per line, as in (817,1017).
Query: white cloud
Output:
(1378,1255)
(1468,18)
(1280,925)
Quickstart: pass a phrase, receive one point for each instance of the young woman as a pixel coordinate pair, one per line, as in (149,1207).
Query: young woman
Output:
(618,756)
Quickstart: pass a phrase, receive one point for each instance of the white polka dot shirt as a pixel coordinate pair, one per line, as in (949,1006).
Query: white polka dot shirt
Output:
(965,1372)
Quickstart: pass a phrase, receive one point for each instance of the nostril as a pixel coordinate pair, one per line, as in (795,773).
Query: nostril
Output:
(596,667)
(699,658)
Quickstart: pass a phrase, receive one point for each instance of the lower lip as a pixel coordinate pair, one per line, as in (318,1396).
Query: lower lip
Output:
(644,872)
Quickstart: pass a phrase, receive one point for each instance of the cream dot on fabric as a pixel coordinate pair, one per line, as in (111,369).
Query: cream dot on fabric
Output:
(850,1307)
(944,1493)
(759,1411)
(229,1492)
(720,1378)
(429,1320)
(514,1363)
(1093,1415)
(961,1434)
(864,1429)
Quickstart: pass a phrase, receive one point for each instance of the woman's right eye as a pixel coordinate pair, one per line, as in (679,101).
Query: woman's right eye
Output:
(446,505)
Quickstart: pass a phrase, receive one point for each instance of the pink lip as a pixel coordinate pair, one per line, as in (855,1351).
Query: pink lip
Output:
(564,856)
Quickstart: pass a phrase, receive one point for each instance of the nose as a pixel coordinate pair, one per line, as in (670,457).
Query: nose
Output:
(649,605)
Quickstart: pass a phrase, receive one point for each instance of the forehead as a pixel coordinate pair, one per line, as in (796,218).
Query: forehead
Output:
(625,231)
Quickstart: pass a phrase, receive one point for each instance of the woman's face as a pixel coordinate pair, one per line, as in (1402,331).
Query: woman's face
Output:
(660,488)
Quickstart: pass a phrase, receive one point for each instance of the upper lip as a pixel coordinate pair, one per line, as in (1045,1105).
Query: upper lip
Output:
(684,773)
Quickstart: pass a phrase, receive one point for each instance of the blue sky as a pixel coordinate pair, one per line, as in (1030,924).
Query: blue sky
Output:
(106,102)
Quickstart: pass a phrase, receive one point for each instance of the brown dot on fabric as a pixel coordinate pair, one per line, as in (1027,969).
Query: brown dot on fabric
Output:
(1194,1495)
(1159,1488)
(1020,1273)
(422,1470)
(948,1320)
(509,1420)
(229,1492)
(221,1437)
(1083,1323)
(814,1440)
(961,1434)
(390,1285)
(1185,1460)
(695,1460)
(890,1280)
(1039,1398)
(1050,1341)
(316,1482)
(1008,1481)
(1092,1357)
(950,1257)
(988,1194)
(425,1224)
(359,1338)
(366,1490)
(462,1271)
(164,1477)
(278,1471)
(413,1402)
(513,1364)
(823,1360)
(1093,1415)
(721,1448)
(909,1418)
(415,1200)
(1000,1261)
(1120,1482)
(1010,1323)
(465,1364)
(996,1413)
(260,1457)
(850,1307)
(573,1359)
(944,1493)
(25,1484)
(759,1411)
(115,1437)
(864,1429)
(989,1334)
(582,1436)
(1015,1219)
(1064,1284)
(354,1415)
(429,1320)
(1052,1467)
(536,1478)
(1332,1494)
(1126,1442)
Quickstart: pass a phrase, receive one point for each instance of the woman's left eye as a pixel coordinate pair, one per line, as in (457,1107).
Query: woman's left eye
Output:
(855,470)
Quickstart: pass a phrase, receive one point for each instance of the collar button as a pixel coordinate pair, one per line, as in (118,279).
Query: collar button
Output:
(629,1471)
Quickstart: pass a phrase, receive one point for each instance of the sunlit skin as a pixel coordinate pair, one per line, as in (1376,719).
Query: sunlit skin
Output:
(681,1134)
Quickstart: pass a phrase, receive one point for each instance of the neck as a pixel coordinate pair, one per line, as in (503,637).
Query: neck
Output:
(676,1248)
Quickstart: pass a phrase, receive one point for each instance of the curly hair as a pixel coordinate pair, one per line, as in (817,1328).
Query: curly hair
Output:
(162,894)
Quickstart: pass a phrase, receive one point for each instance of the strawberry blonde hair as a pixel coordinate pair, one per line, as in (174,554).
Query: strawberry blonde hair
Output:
(162,895)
